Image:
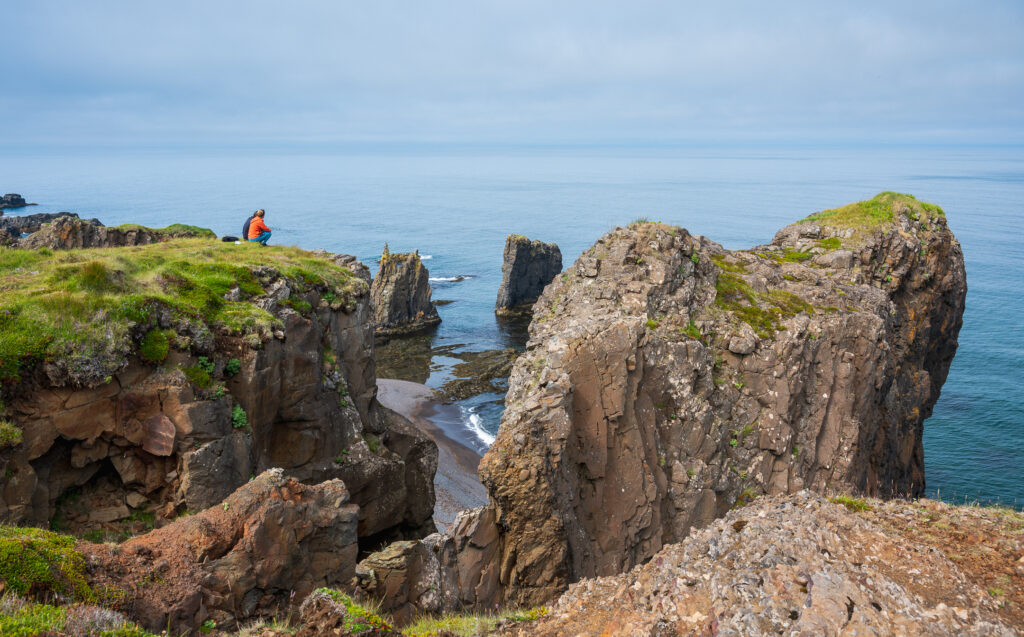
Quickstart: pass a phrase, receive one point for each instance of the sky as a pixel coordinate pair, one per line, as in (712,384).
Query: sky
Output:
(515,72)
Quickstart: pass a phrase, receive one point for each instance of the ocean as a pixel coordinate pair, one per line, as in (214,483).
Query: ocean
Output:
(456,205)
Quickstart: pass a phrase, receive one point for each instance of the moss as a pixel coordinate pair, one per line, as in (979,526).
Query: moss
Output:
(879,211)
(36,562)
(832,243)
(735,295)
(652,324)
(467,625)
(154,346)
(87,306)
(197,376)
(693,331)
(790,255)
(853,504)
(361,618)
(728,266)
(173,230)
(19,618)
(10,435)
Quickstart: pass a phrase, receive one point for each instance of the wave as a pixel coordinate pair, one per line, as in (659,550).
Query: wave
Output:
(424,257)
(450,279)
(476,424)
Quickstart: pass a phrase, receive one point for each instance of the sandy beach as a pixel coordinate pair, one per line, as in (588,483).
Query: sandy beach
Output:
(456,484)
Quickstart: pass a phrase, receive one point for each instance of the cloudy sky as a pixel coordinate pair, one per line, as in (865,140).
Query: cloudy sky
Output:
(518,71)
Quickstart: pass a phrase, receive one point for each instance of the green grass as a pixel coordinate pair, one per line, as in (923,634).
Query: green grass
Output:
(37,562)
(762,312)
(468,625)
(866,216)
(19,618)
(10,435)
(173,230)
(89,309)
(720,261)
(197,376)
(693,331)
(832,243)
(853,504)
(361,617)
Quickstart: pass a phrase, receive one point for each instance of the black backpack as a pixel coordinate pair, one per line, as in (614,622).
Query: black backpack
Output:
(245,227)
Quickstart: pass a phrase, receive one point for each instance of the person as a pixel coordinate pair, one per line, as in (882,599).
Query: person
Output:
(258,231)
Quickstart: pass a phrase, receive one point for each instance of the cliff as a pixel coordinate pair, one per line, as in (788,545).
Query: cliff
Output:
(667,381)
(401,295)
(154,380)
(528,266)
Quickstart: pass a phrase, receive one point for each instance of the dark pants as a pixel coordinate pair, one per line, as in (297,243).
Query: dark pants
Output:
(262,239)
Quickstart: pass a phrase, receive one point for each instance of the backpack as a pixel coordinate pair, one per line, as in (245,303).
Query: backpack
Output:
(245,227)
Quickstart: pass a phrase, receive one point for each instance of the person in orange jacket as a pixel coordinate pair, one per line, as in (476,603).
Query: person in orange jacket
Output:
(258,231)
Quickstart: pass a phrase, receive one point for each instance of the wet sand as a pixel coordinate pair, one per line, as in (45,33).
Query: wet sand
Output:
(456,484)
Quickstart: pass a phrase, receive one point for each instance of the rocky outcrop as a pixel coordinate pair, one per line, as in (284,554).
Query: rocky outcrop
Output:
(401,295)
(14,227)
(442,573)
(12,200)
(271,541)
(527,268)
(299,394)
(668,380)
(70,232)
(785,565)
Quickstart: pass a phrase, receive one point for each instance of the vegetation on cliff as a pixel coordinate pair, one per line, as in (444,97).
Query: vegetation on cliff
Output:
(86,310)
(866,216)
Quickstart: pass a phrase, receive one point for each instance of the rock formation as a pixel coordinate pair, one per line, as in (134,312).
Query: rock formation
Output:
(527,268)
(401,295)
(13,200)
(272,539)
(70,232)
(794,565)
(181,429)
(668,380)
(14,227)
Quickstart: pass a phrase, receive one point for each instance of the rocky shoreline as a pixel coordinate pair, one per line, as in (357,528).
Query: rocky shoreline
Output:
(688,442)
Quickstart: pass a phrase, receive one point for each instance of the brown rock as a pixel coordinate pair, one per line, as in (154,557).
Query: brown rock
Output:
(401,295)
(159,436)
(623,430)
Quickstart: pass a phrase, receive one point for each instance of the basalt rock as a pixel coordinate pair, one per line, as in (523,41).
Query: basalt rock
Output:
(70,232)
(527,268)
(401,295)
(792,565)
(178,437)
(668,380)
(14,227)
(271,543)
(12,200)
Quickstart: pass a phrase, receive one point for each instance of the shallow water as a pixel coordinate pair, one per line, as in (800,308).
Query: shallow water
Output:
(457,206)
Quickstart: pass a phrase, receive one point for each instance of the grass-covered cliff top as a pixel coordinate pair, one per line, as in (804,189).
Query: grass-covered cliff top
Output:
(874,213)
(86,309)
(173,230)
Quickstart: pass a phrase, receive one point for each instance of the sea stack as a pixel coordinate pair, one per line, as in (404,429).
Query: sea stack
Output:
(528,267)
(13,200)
(401,295)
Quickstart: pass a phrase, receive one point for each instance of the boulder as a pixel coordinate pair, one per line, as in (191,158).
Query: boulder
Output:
(401,295)
(271,543)
(671,380)
(527,268)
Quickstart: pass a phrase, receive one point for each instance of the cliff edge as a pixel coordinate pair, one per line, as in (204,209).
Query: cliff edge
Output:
(668,380)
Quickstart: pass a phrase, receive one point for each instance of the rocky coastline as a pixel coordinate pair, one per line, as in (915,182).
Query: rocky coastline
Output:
(695,441)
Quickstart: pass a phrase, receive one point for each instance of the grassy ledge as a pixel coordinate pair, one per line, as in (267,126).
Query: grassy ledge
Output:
(87,309)
(37,562)
(21,618)
(879,211)
(468,625)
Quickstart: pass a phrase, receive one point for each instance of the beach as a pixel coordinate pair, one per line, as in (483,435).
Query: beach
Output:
(456,485)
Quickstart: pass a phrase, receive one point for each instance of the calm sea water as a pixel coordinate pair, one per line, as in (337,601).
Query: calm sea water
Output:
(457,205)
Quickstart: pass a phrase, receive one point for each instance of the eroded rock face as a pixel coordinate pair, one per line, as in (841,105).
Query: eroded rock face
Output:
(401,295)
(69,232)
(442,573)
(668,380)
(12,228)
(792,564)
(303,399)
(271,539)
(528,266)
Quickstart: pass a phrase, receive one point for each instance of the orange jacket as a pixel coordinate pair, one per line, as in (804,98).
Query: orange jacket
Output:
(257,227)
